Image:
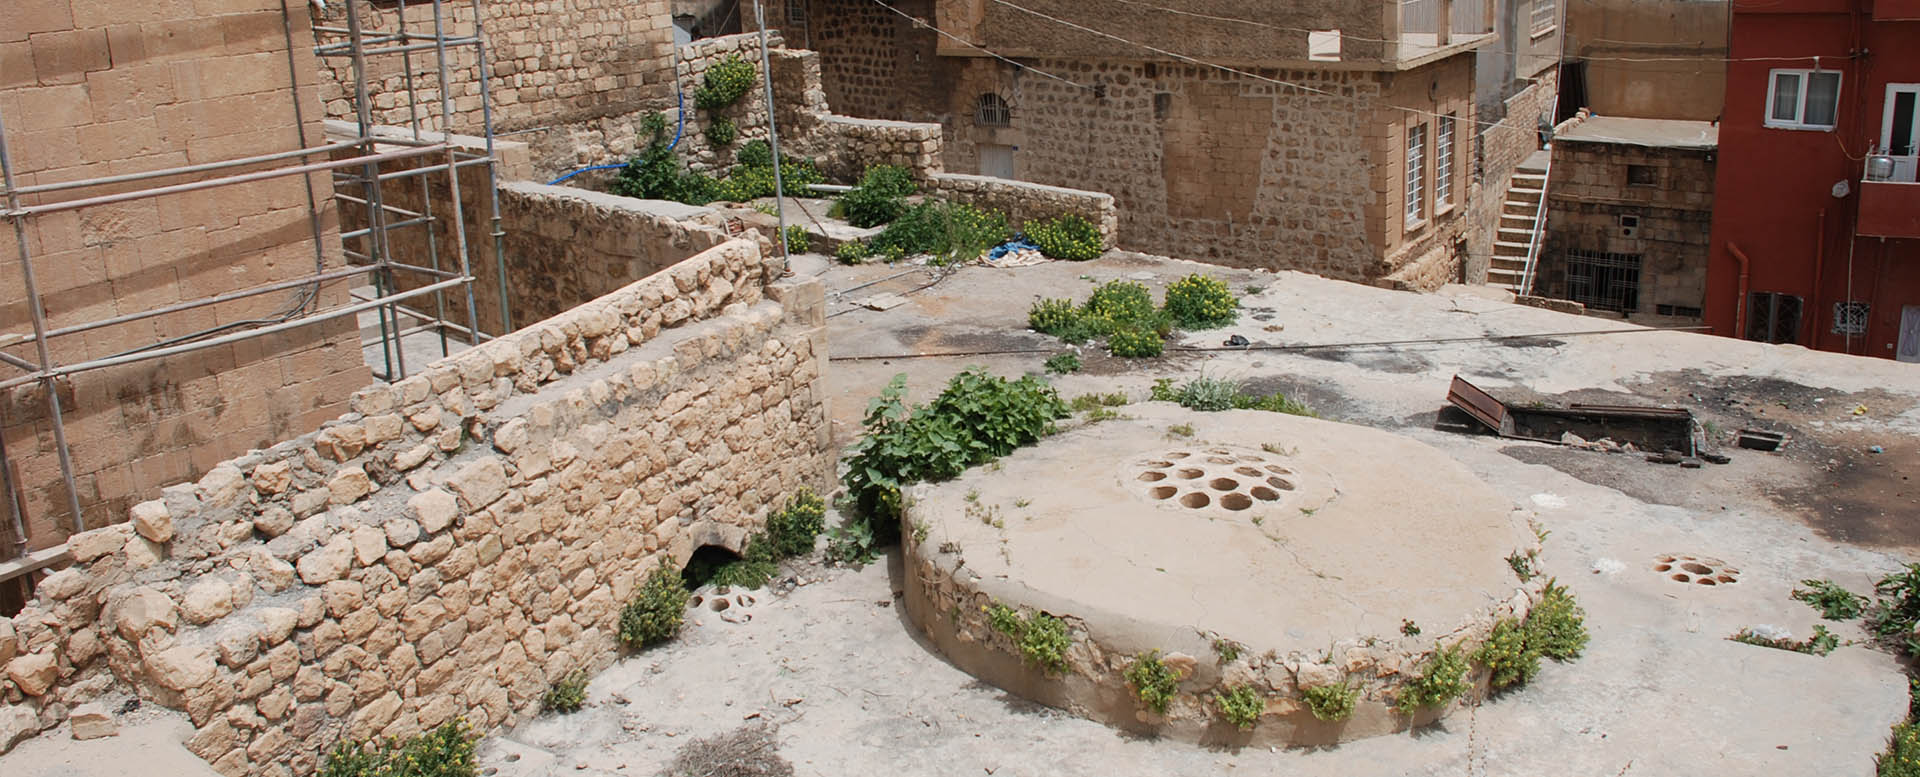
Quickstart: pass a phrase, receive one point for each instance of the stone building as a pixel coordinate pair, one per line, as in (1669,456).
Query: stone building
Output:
(92,91)
(1347,145)
(1629,211)
(1648,59)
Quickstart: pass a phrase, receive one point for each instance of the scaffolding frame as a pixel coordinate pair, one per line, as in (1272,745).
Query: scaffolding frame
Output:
(360,163)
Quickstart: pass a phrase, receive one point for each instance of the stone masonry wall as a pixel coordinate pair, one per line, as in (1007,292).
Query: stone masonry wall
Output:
(454,544)
(1588,196)
(93,89)
(1500,150)
(1024,202)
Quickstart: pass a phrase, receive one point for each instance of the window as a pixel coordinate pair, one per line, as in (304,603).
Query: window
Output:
(1850,318)
(1773,317)
(1604,280)
(1687,311)
(1803,99)
(1544,13)
(1443,163)
(992,111)
(1416,173)
(797,13)
(1642,175)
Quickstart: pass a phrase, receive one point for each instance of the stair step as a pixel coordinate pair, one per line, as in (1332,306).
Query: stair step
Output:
(1513,263)
(1510,244)
(1516,234)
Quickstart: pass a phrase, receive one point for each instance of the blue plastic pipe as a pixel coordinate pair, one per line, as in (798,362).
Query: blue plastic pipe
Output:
(678,127)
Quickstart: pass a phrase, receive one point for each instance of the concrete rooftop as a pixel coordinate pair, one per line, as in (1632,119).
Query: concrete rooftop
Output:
(1660,133)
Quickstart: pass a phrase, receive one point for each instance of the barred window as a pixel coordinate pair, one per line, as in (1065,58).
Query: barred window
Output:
(1443,163)
(992,111)
(1416,174)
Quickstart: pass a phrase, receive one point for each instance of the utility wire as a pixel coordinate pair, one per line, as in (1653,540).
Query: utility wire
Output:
(1294,347)
(921,23)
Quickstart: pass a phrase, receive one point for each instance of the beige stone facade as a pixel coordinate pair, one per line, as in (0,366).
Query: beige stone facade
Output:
(458,540)
(1650,59)
(1629,211)
(91,90)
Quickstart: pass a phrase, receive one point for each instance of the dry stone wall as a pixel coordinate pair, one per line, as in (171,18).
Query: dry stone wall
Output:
(1024,202)
(459,540)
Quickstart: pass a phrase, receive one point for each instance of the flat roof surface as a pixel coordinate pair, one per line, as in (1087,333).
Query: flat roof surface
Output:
(1667,133)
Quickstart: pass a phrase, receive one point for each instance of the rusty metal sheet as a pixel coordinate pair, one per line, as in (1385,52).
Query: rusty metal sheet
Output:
(1481,405)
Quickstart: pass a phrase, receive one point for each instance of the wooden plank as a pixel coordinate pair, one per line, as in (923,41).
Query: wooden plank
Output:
(35,561)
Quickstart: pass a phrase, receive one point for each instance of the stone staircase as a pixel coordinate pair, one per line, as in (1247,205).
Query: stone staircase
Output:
(1520,218)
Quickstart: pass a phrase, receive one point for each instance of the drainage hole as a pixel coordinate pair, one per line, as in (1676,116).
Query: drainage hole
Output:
(1196,500)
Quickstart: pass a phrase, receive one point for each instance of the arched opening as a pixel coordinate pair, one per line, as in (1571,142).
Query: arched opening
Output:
(706,563)
(992,111)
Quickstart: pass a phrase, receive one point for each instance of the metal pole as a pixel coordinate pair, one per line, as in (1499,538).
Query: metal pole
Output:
(493,182)
(370,188)
(19,219)
(773,138)
(453,169)
(426,191)
(312,295)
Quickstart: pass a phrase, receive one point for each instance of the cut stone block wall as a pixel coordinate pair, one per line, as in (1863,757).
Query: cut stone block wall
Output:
(1588,196)
(93,89)
(457,542)
(1024,202)
(1501,150)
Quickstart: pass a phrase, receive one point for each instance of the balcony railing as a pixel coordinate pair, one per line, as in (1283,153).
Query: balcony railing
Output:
(1889,209)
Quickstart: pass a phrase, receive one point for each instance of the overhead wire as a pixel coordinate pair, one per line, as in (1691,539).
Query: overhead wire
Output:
(922,23)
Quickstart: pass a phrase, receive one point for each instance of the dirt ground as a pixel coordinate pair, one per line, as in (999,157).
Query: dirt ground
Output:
(826,678)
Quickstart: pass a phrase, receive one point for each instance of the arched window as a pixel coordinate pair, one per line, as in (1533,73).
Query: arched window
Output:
(992,111)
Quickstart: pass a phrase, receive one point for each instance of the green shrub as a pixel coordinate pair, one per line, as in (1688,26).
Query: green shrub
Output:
(1834,602)
(1507,654)
(852,252)
(445,751)
(752,181)
(1331,702)
(1086,402)
(1241,705)
(1053,316)
(1135,342)
(1556,627)
(1902,758)
(798,239)
(1209,394)
(1122,302)
(1896,609)
(792,530)
(1272,403)
(950,232)
(1042,639)
(880,197)
(655,614)
(754,569)
(567,695)
(1063,362)
(721,132)
(726,82)
(1200,302)
(1443,679)
(1067,237)
(977,418)
(656,174)
(1154,684)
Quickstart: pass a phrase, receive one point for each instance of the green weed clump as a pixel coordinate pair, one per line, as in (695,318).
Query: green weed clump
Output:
(1902,758)
(1067,237)
(721,132)
(1201,302)
(1896,609)
(798,239)
(1507,656)
(950,232)
(1331,702)
(445,751)
(655,173)
(1133,342)
(977,418)
(1086,402)
(657,609)
(852,252)
(567,695)
(1211,394)
(1443,679)
(725,83)
(1063,363)
(880,197)
(1042,639)
(1154,684)
(1821,643)
(1834,602)
(1557,625)
(1241,705)
(791,531)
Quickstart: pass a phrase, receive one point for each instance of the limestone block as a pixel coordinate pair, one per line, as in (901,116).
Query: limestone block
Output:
(207,600)
(348,485)
(271,573)
(33,672)
(310,501)
(17,722)
(328,563)
(143,553)
(221,486)
(277,623)
(274,521)
(152,520)
(182,668)
(435,509)
(402,532)
(9,640)
(382,428)
(369,544)
(479,483)
(142,610)
(341,442)
(62,585)
(87,546)
(273,477)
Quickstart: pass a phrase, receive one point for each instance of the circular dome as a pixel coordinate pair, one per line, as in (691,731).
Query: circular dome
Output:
(1265,550)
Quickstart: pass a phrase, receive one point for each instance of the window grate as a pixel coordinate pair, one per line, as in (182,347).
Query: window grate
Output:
(1443,162)
(1773,317)
(1416,173)
(1544,14)
(1850,318)
(992,111)
(1604,280)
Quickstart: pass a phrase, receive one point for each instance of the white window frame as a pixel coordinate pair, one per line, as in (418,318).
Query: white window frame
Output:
(1798,122)
(1415,179)
(1545,15)
(1443,165)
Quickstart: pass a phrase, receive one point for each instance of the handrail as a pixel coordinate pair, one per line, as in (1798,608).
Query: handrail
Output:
(1539,225)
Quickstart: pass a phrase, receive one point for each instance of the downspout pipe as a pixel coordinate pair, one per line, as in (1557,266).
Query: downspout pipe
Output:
(1819,269)
(1740,302)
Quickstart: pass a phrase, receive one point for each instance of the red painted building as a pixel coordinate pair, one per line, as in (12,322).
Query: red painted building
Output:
(1816,227)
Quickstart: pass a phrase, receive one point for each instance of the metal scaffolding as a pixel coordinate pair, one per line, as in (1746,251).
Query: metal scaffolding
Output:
(364,170)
